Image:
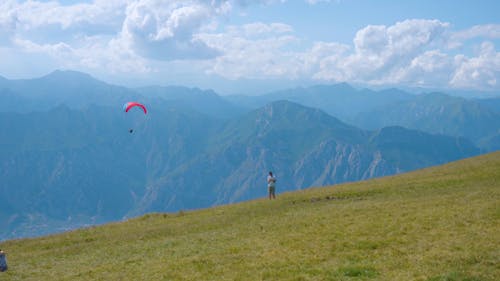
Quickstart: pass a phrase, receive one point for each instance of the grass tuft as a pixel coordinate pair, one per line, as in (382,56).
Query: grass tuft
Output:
(358,271)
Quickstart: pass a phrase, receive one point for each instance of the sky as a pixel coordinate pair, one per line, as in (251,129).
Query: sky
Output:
(253,47)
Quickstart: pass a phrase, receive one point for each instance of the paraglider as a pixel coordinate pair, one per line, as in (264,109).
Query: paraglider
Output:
(127,106)
(131,104)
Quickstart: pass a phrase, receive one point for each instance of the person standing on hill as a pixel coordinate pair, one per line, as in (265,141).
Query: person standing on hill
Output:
(271,185)
(3,261)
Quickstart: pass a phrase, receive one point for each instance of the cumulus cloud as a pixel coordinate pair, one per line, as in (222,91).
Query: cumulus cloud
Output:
(92,54)
(156,29)
(134,30)
(259,28)
(413,52)
(141,35)
(35,14)
(323,61)
(482,71)
(165,30)
(254,51)
(381,52)
(487,31)
(8,22)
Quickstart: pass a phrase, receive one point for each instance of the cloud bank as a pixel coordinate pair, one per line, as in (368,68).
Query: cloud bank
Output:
(142,36)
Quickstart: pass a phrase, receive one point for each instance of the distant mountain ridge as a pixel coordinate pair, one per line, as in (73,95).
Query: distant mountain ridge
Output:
(339,100)
(364,108)
(204,101)
(74,89)
(436,113)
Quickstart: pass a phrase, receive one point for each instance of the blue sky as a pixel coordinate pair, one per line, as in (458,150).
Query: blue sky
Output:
(244,46)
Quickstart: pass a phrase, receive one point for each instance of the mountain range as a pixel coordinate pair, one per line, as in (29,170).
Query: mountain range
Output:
(68,159)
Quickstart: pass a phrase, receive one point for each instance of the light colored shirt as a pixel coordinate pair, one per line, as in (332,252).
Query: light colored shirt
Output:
(271,180)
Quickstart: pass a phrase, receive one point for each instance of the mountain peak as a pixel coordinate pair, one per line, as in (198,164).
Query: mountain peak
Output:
(291,111)
(296,115)
(282,119)
(68,75)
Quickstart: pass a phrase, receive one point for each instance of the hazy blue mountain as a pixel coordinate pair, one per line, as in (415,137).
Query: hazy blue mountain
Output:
(412,149)
(491,103)
(79,90)
(3,82)
(339,100)
(204,101)
(56,165)
(67,157)
(304,147)
(436,113)
(476,119)
(491,143)
(68,167)
(13,102)
(74,89)
(65,167)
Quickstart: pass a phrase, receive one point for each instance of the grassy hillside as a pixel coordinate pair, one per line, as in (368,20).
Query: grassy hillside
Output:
(435,224)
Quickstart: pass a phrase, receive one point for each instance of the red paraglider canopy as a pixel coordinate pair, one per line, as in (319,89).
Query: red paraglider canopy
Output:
(131,104)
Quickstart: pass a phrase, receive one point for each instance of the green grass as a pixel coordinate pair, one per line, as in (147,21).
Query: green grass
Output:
(436,224)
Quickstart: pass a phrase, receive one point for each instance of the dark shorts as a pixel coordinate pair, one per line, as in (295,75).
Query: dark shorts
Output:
(272,189)
(3,268)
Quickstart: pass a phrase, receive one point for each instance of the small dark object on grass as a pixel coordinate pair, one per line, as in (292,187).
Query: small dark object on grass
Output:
(3,261)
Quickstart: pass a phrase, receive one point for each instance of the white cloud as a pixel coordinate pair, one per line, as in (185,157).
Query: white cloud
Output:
(93,54)
(371,40)
(8,22)
(381,54)
(35,14)
(430,62)
(61,49)
(254,51)
(137,36)
(323,61)
(138,32)
(166,30)
(259,28)
(487,31)
(413,52)
(429,69)
(157,29)
(317,1)
(480,72)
